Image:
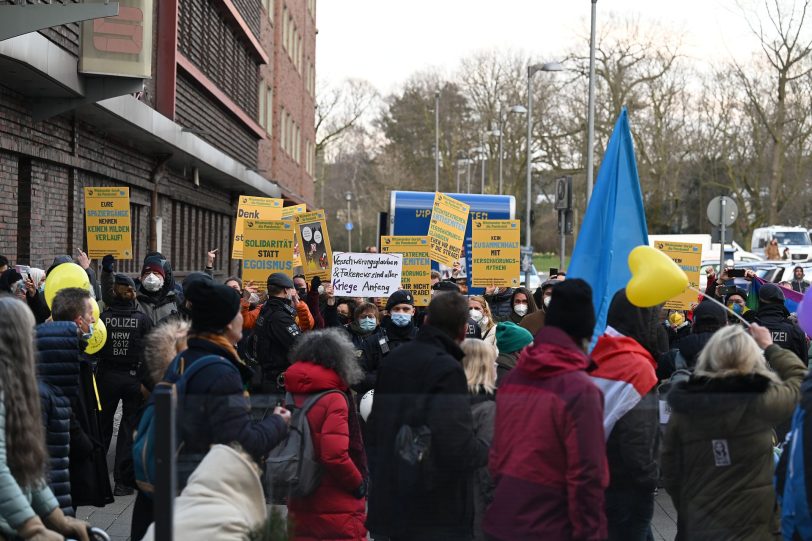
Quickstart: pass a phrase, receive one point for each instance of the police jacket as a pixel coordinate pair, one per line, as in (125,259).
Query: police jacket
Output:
(366,345)
(786,334)
(275,331)
(158,306)
(126,327)
(390,338)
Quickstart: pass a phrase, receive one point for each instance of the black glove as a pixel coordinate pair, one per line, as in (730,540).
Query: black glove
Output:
(107,263)
(361,491)
(315,283)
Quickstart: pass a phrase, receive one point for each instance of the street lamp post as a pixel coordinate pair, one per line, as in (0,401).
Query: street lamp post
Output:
(590,113)
(437,141)
(348,197)
(482,158)
(531,70)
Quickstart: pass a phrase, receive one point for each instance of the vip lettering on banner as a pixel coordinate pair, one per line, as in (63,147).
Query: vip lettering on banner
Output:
(496,251)
(314,244)
(688,256)
(366,275)
(107,219)
(253,208)
(416,276)
(287,214)
(268,249)
(449,219)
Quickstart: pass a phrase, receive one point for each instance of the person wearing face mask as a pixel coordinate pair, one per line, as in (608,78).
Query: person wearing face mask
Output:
(550,474)
(117,375)
(737,304)
(156,298)
(275,332)
(480,313)
(62,364)
(395,329)
(798,283)
(522,304)
(366,335)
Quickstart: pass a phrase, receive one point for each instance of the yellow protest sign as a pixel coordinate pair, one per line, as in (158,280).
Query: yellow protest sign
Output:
(314,244)
(449,218)
(416,274)
(253,208)
(289,213)
(107,219)
(688,257)
(267,248)
(495,253)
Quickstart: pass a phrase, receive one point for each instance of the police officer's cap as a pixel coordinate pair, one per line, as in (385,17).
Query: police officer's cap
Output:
(280,280)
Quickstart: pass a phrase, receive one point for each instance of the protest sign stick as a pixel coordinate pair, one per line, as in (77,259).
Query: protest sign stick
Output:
(709,298)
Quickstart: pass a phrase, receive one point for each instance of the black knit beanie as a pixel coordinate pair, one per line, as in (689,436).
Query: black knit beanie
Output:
(571,309)
(213,305)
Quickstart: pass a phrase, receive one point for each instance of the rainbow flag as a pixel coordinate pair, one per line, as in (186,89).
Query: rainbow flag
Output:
(791,298)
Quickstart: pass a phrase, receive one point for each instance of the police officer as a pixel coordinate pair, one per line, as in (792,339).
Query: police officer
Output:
(773,314)
(117,375)
(396,329)
(275,332)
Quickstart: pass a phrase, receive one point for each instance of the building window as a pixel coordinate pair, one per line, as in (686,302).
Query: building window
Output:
(262,106)
(285,27)
(311,8)
(269,7)
(283,129)
(269,108)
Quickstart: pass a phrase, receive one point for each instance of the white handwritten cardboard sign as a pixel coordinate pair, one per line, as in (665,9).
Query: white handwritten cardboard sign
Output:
(366,275)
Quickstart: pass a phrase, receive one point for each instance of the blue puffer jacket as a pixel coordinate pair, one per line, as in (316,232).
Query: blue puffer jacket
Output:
(56,420)
(58,355)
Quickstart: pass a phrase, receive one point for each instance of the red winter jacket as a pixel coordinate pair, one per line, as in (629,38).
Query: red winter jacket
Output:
(548,458)
(331,512)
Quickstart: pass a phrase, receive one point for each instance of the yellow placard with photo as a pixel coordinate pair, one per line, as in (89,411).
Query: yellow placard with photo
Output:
(253,208)
(108,222)
(268,248)
(688,256)
(495,253)
(449,219)
(416,274)
(314,245)
(289,213)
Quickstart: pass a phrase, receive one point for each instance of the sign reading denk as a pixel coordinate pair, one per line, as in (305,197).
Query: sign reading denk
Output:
(366,275)
(253,208)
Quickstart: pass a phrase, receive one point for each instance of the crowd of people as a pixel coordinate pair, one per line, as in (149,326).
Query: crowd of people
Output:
(498,416)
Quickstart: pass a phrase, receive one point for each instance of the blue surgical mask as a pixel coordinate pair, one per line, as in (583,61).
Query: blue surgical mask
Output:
(367,324)
(737,308)
(401,320)
(89,333)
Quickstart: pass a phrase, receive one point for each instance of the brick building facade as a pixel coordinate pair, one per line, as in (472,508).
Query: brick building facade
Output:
(187,145)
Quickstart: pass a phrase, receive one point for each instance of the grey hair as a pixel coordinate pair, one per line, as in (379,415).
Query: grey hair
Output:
(162,344)
(330,348)
(732,352)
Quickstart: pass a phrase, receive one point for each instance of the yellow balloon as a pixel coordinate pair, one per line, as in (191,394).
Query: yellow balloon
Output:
(97,339)
(655,277)
(65,275)
(96,310)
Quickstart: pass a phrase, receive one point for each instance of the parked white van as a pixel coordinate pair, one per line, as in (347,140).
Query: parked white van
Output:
(795,238)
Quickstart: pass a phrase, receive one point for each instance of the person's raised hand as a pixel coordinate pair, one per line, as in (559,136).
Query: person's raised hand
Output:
(82,260)
(315,283)
(761,335)
(248,289)
(750,275)
(30,287)
(210,256)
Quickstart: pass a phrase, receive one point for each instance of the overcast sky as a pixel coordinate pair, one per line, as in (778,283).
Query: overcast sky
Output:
(386,41)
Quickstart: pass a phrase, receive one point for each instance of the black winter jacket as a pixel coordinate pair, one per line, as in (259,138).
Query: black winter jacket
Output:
(275,332)
(500,305)
(62,364)
(690,347)
(126,327)
(422,383)
(56,421)
(394,337)
(216,409)
(632,448)
(785,333)
(366,344)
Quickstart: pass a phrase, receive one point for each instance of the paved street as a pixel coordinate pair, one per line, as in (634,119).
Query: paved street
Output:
(115,518)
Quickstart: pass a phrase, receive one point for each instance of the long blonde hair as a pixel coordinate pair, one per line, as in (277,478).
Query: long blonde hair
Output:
(479,364)
(486,311)
(25,438)
(732,352)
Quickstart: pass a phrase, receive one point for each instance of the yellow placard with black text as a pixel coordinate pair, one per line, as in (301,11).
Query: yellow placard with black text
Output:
(688,256)
(253,208)
(416,273)
(495,253)
(449,219)
(108,222)
(314,245)
(267,248)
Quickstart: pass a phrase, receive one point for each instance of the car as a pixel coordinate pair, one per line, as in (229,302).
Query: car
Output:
(535,279)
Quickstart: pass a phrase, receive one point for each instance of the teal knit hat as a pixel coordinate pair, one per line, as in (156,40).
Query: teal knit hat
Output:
(510,337)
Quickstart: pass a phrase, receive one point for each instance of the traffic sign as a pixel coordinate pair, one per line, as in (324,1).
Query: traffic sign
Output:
(527,259)
(722,207)
(348,226)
